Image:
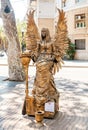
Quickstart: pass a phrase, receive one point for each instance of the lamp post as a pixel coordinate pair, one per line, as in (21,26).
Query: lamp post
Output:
(22,43)
(25,59)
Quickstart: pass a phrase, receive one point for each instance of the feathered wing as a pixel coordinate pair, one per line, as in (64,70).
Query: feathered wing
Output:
(32,34)
(60,41)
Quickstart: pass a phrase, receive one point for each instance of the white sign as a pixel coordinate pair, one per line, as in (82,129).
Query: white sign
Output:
(50,106)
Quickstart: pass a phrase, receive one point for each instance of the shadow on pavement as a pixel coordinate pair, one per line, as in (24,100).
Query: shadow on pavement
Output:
(73,102)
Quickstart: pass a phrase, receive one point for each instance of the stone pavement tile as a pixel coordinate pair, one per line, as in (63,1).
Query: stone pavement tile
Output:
(75,63)
(73,113)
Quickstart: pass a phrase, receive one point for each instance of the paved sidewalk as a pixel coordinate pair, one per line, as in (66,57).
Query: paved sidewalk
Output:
(73,113)
(67,63)
(75,63)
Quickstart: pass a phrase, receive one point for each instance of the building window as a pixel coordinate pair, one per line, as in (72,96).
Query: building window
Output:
(80,21)
(80,44)
(63,3)
(32,2)
(76,1)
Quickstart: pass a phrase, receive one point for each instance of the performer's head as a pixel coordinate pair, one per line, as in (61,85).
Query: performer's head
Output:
(45,35)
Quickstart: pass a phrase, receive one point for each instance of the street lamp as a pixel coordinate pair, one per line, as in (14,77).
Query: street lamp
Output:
(23,42)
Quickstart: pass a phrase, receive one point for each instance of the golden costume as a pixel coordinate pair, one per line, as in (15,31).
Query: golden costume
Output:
(47,53)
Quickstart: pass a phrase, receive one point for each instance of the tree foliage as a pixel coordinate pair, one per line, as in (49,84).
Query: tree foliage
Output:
(3,40)
(70,53)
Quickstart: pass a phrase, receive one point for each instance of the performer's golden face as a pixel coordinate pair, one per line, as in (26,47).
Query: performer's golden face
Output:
(43,34)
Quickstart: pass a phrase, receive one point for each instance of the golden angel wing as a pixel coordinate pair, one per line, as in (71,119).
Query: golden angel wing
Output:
(32,34)
(61,40)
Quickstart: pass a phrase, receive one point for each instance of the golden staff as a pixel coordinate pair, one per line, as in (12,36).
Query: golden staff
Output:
(25,59)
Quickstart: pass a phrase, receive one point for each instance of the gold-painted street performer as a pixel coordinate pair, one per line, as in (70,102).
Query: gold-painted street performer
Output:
(47,55)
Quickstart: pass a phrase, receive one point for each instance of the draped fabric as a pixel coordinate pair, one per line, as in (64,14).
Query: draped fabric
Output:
(44,85)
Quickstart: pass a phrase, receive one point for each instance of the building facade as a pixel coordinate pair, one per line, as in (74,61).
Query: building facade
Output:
(77,22)
(45,13)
